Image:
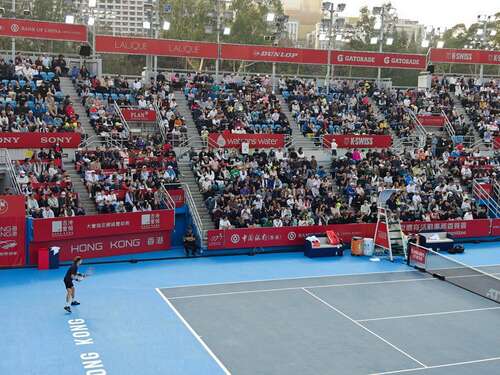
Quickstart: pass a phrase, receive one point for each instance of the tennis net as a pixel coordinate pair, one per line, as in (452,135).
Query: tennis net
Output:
(445,268)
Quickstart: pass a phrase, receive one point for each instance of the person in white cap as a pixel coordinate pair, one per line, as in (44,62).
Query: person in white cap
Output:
(22,178)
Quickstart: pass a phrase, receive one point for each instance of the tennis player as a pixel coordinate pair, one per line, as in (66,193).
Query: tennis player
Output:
(71,275)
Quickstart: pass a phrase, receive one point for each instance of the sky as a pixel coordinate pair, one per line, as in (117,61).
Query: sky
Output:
(438,13)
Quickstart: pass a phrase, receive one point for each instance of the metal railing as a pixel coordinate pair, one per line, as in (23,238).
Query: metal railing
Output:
(496,191)
(198,223)
(159,121)
(8,166)
(98,141)
(419,129)
(166,198)
(486,198)
(448,126)
(122,119)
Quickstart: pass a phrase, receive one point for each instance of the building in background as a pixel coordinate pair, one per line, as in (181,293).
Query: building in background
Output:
(317,38)
(307,13)
(413,29)
(123,17)
(292,29)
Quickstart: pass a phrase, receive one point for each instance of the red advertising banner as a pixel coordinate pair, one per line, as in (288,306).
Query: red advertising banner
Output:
(12,231)
(97,247)
(457,228)
(22,28)
(229,140)
(418,255)
(39,140)
(358,141)
(139,115)
(379,60)
(382,235)
(273,54)
(431,120)
(495,227)
(490,57)
(464,56)
(102,225)
(154,47)
(295,236)
(285,236)
(178,196)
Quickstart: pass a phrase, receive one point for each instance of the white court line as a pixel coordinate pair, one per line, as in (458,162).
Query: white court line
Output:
(193,332)
(307,277)
(291,278)
(437,366)
(317,286)
(300,287)
(363,327)
(428,314)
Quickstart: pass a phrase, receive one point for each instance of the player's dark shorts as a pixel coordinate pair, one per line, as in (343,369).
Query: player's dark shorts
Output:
(68,283)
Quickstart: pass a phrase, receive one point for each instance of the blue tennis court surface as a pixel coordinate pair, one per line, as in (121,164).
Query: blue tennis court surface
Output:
(268,314)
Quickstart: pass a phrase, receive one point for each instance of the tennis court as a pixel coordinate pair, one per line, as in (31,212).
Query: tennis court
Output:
(386,323)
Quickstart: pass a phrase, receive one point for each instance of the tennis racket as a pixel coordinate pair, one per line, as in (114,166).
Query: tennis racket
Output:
(89,272)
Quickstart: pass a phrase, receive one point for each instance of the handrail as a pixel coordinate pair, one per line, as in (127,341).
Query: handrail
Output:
(484,196)
(167,198)
(5,159)
(159,121)
(99,141)
(122,118)
(198,224)
(447,125)
(419,128)
(481,143)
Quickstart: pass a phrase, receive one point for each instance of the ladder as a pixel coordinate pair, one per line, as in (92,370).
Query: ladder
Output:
(389,235)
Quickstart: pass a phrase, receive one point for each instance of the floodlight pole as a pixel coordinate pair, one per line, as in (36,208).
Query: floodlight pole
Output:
(219,23)
(329,58)
(483,40)
(381,41)
(13,40)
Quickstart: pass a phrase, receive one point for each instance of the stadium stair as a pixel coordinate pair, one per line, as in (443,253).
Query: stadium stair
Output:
(461,111)
(188,178)
(186,173)
(68,89)
(78,186)
(297,138)
(399,146)
(194,138)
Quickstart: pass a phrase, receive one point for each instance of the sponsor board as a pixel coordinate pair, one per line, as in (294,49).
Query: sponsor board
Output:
(23,28)
(295,236)
(382,236)
(97,247)
(229,140)
(379,59)
(285,236)
(102,225)
(464,56)
(457,228)
(39,140)
(273,54)
(431,120)
(154,47)
(139,115)
(12,231)
(177,196)
(418,255)
(358,141)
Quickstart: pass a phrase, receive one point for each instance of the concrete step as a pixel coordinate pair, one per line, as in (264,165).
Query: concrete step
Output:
(69,89)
